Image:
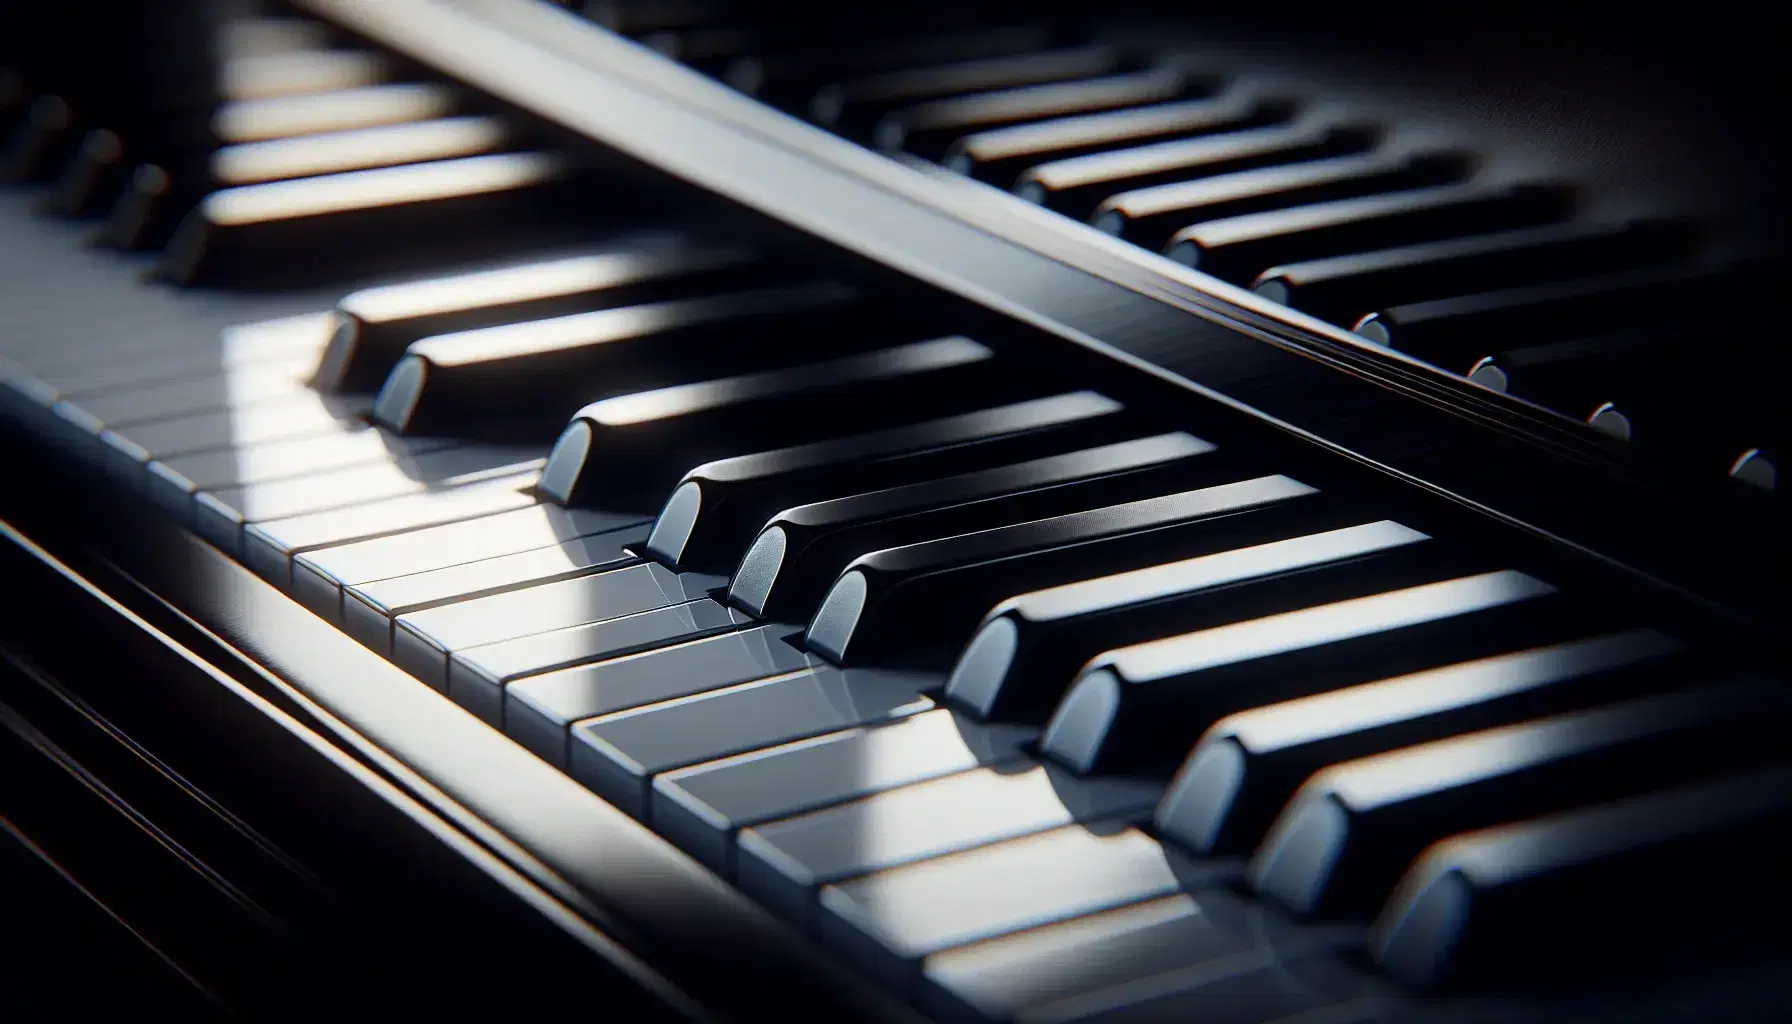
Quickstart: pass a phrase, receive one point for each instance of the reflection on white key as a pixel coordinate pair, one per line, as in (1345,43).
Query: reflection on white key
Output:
(266,75)
(333,152)
(281,116)
(385,186)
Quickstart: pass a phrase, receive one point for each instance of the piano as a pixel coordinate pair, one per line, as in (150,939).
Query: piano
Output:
(687,510)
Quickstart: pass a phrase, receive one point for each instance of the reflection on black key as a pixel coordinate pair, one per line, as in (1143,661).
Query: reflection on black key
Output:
(853,106)
(524,380)
(618,755)
(998,155)
(1239,248)
(1351,831)
(1149,216)
(784,862)
(715,510)
(1555,899)
(1140,708)
(346,110)
(785,78)
(928,129)
(889,921)
(331,227)
(1029,647)
(375,324)
(446,138)
(928,595)
(1075,187)
(1470,326)
(1343,289)
(799,552)
(621,450)
(1249,764)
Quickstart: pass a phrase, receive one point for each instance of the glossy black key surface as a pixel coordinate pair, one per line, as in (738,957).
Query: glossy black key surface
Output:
(783,863)
(375,324)
(789,77)
(1075,187)
(1346,837)
(713,513)
(539,710)
(319,576)
(277,234)
(853,106)
(618,755)
(799,552)
(526,379)
(1140,708)
(889,921)
(997,156)
(634,448)
(1552,902)
(1237,249)
(423,640)
(1027,648)
(1343,289)
(1248,765)
(928,130)
(928,595)
(701,808)
(1467,327)
(1149,216)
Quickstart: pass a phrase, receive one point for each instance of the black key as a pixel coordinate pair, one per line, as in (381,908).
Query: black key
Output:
(927,596)
(782,79)
(442,138)
(634,17)
(1028,648)
(1461,329)
(1149,216)
(1757,469)
(41,142)
(336,226)
(783,863)
(928,130)
(1553,900)
(717,508)
(618,755)
(852,107)
(1351,831)
(1140,708)
(703,807)
(1248,765)
(889,921)
(997,156)
(800,551)
(374,325)
(525,380)
(634,447)
(1075,187)
(1343,289)
(1239,248)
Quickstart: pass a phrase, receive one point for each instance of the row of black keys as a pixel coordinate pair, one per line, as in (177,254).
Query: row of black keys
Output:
(1283,601)
(1270,197)
(1320,210)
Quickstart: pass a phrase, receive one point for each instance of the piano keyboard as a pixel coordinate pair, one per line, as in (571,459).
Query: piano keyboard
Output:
(1028,698)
